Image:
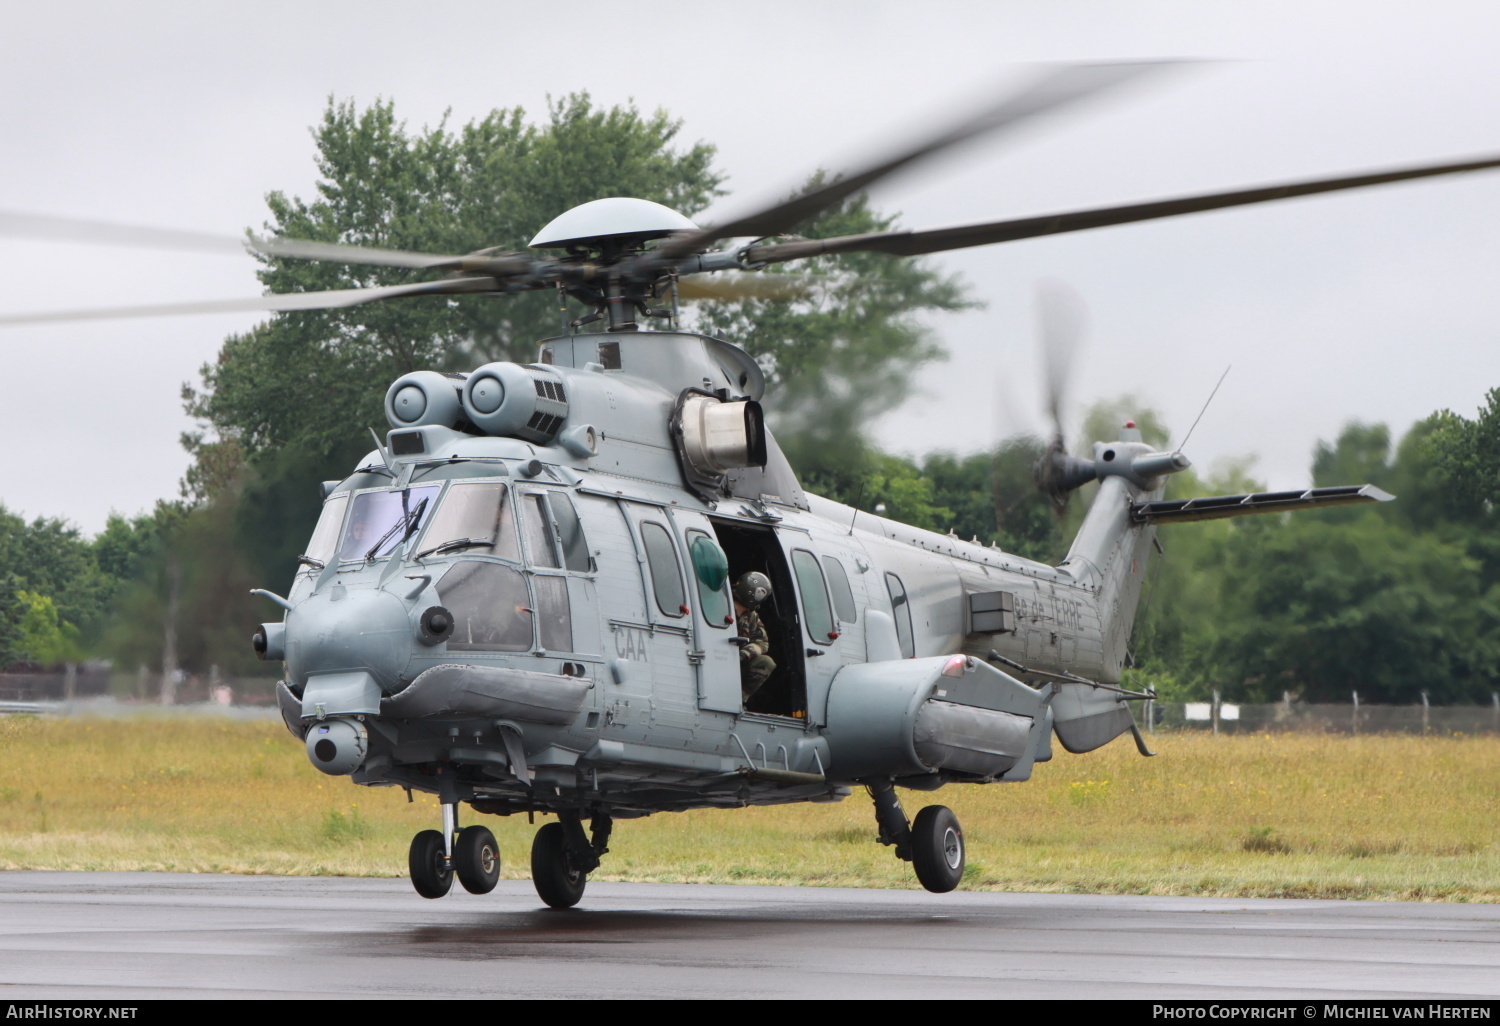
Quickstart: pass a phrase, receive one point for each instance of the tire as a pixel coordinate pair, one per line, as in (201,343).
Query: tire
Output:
(476,859)
(556,881)
(937,849)
(430,873)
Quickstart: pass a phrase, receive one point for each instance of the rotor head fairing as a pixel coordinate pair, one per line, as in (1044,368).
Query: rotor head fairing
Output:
(424,397)
(615,217)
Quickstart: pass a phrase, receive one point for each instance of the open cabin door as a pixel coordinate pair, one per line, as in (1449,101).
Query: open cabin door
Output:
(759,547)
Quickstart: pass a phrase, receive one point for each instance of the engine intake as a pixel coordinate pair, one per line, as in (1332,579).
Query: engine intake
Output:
(424,397)
(517,402)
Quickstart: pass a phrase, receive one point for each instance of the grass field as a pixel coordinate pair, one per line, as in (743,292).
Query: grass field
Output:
(1299,815)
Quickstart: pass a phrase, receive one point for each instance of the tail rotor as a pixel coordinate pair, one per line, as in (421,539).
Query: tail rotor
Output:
(1062,317)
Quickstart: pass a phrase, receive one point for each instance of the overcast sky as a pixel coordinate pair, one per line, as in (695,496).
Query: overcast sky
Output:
(1378,305)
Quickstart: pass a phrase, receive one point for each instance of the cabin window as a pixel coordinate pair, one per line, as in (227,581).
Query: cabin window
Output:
(815,609)
(326,535)
(553,617)
(575,547)
(490,606)
(540,544)
(381,521)
(711,571)
(473,518)
(666,575)
(901,611)
(843,595)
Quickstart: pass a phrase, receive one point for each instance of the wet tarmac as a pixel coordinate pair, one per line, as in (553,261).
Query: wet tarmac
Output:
(148,935)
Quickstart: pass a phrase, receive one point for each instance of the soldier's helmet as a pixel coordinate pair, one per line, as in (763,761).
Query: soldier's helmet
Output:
(752,589)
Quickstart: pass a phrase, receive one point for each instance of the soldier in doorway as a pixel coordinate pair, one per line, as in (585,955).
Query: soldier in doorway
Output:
(756,665)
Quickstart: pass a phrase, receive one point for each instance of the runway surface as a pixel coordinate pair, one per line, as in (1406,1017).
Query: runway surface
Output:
(146,935)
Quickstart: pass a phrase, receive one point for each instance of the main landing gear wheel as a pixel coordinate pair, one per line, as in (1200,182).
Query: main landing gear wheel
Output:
(476,859)
(430,873)
(937,848)
(557,881)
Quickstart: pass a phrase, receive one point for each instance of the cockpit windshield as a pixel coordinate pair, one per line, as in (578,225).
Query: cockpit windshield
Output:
(326,534)
(474,518)
(381,521)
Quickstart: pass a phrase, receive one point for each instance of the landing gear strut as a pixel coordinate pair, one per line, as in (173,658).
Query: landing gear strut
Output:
(933,844)
(436,856)
(563,856)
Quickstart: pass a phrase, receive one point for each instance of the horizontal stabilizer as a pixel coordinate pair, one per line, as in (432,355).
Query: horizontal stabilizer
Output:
(1216,507)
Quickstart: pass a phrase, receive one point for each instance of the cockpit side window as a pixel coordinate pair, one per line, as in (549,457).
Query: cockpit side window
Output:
(490,606)
(666,575)
(473,517)
(326,535)
(381,520)
(901,610)
(575,547)
(553,614)
(541,546)
(554,534)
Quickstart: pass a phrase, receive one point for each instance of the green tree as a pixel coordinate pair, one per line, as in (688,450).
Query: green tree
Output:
(1182,613)
(1324,608)
(312,380)
(845,351)
(286,404)
(44,638)
(1362,455)
(50,557)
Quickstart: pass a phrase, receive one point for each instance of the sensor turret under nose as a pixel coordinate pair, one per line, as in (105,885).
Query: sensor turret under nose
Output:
(338,747)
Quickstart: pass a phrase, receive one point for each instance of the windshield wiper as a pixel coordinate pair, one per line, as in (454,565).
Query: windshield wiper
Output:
(409,521)
(454,546)
(316,564)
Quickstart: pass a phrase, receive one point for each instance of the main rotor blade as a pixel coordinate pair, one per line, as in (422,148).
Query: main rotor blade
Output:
(1057,87)
(337,253)
(77,229)
(744,286)
(330,300)
(82,230)
(917,243)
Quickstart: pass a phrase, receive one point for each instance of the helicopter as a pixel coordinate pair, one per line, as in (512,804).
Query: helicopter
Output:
(523,599)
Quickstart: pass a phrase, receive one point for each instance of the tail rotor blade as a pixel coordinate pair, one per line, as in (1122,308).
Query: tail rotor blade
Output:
(1062,317)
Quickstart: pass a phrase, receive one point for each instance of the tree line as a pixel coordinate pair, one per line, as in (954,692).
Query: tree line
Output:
(1389,601)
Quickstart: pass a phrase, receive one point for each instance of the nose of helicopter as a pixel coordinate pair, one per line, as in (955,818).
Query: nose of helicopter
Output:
(344,629)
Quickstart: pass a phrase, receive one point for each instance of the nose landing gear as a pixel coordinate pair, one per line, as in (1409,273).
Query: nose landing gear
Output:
(435,856)
(476,858)
(428,863)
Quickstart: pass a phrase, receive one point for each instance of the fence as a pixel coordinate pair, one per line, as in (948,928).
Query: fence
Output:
(1351,718)
(96,680)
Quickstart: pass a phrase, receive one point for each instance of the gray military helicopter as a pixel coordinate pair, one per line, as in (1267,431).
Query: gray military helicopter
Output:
(520,600)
